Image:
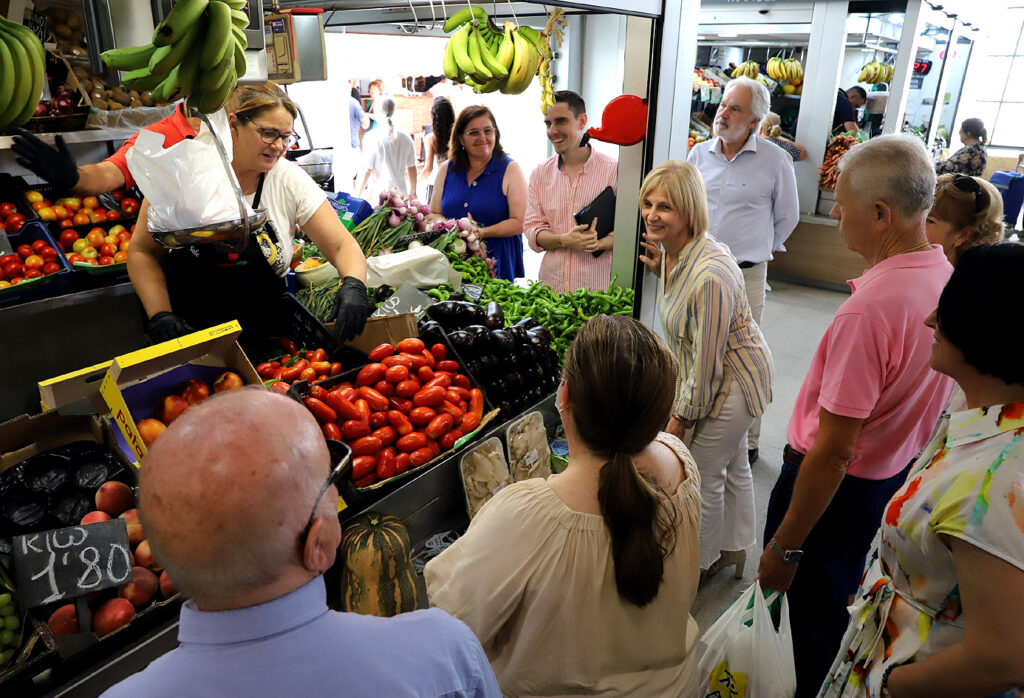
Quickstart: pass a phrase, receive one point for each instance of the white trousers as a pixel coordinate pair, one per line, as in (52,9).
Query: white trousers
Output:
(718,447)
(754,281)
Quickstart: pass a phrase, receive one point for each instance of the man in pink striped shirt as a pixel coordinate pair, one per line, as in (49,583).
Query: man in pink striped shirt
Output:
(559,187)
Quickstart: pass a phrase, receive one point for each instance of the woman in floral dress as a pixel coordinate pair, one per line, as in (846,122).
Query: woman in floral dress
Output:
(940,609)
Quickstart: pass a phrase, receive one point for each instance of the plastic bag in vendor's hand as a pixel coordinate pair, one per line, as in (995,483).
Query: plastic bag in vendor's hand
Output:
(186,185)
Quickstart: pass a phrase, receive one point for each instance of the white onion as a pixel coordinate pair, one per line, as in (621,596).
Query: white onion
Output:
(465,224)
(414,244)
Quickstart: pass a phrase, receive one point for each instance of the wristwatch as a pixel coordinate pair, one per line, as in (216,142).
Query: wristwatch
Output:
(786,555)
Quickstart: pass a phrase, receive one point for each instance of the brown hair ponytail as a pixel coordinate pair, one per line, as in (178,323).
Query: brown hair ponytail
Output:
(621,380)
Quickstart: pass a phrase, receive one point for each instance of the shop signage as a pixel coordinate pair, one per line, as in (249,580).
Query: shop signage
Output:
(64,563)
(922,67)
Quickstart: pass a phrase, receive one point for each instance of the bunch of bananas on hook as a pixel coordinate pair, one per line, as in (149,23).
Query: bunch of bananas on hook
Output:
(489,58)
(198,51)
(875,72)
(747,69)
(789,70)
(22,73)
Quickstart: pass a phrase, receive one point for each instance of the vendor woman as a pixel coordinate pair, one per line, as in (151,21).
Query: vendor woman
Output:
(188,289)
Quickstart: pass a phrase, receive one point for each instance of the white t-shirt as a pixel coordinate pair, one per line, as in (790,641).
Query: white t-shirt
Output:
(292,197)
(391,160)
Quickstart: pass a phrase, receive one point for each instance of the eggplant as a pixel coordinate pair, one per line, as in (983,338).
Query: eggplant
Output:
(498,386)
(502,342)
(495,316)
(533,374)
(506,409)
(463,342)
(474,367)
(542,332)
(431,332)
(447,313)
(514,381)
(480,334)
(536,394)
(488,366)
(474,314)
(526,323)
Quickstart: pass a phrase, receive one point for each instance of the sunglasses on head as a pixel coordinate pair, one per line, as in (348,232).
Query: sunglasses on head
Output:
(969,185)
(341,456)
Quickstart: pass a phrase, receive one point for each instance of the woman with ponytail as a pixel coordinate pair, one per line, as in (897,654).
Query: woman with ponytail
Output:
(391,156)
(583,583)
(972,158)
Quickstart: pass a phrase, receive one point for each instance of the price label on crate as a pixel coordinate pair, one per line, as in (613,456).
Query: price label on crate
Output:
(63,563)
(407,299)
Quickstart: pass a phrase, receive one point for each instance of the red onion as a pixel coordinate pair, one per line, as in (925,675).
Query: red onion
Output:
(394,221)
(465,224)
(41,110)
(418,216)
(425,209)
(63,105)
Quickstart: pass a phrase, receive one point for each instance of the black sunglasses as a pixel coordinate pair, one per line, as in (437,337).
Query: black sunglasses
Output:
(969,185)
(341,455)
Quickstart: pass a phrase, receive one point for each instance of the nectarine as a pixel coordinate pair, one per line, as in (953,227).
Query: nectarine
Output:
(135,533)
(150,429)
(171,407)
(167,588)
(144,557)
(95,517)
(141,589)
(114,497)
(63,621)
(112,615)
(229,380)
(195,391)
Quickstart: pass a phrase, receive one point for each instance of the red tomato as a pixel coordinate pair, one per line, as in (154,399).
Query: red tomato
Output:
(66,223)
(14,222)
(384,388)
(51,268)
(439,426)
(33,273)
(429,397)
(401,404)
(411,346)
(421,416)
(8,258)
(380,352)
(339,404)
(447,441)
(13,270)
(450,366)
(400,422)
(121,256)
(387,466)
(439,351)
(113,215)
(378,420)
(25,251)
(90,202)
(107,250)
(331,431)
(363,465)
(420,456)
(38,245)
(386,434)
(7,208)
(407,388)
(75,257)
(34,261)
(321,411)
(470,421)
(376,401)
(106,261)
(396,374)
(367,445)
(279,387)
(390,361)
(129,205)
(401,463)
(354,429)
(67,238)
(371,373)
(425,373)
(411,442)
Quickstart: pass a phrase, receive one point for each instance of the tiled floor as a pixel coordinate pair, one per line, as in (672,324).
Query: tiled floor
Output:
(795,317)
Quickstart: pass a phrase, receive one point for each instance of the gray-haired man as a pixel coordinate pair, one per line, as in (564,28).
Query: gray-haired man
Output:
(752,200)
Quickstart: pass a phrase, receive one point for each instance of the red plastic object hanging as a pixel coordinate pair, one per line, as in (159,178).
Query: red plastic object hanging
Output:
(623,122)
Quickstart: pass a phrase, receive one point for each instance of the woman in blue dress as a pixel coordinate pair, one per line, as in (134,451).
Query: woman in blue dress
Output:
(481,182)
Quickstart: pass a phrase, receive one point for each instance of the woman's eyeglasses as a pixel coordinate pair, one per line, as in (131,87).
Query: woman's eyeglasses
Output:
(272,135)
(476,132)
(340,457)
(969,185)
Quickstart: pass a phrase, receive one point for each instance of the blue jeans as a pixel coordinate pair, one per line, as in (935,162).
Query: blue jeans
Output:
(831,568)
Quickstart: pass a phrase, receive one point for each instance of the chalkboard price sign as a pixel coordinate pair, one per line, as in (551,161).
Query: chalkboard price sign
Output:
(63,563)
(407,299)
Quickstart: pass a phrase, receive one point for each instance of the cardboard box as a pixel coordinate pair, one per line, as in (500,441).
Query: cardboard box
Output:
(390,328)
(351,210)
(83,383)
(135,383)
(27,435)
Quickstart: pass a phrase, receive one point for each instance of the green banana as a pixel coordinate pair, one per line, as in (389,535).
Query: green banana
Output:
(239,36)
(491,86)
(168,90)
(209,102)
(218,35)
(480,70)
(236,4)
(490,61)
(507,50)
(451,68)
(533,36)
(18,89)
(239,19)
(463,16)
(143,79)
(128,58)
(182,16)
(212,79)
(460,48)
(7,79)
(165,58)
(240,65)
(188,71)
(34,75)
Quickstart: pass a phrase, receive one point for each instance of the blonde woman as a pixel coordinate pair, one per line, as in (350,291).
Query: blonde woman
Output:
(771,130)
(725,367)
(968,211)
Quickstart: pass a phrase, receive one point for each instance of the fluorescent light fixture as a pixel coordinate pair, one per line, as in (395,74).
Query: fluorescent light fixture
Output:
(728,35)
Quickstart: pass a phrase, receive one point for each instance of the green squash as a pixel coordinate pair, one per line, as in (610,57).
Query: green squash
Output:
(377,576)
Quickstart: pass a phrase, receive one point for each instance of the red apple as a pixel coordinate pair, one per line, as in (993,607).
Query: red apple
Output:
(149,429)
(229,380)
(141,589)
(195,391)
(113,614)
(95,517)
(171,408)
(114,497)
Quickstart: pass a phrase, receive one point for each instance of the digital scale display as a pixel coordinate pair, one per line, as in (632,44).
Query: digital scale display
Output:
(922,67)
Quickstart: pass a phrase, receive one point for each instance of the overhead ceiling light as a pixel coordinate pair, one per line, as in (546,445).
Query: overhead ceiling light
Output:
(728,35)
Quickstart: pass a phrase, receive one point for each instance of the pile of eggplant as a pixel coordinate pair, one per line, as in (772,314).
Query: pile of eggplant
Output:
(514,366)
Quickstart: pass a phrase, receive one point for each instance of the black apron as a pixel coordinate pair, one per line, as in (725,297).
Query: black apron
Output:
(208,287)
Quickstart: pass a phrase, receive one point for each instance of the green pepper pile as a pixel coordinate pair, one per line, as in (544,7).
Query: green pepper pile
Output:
(564,314)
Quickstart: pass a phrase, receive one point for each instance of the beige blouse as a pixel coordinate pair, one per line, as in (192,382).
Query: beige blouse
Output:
(535,581)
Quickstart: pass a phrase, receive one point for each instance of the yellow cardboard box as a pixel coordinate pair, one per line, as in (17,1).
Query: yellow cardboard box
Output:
(85,382)
(135,383)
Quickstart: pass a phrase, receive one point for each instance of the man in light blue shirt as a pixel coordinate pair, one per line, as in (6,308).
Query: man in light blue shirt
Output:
(752,199)
(238,503)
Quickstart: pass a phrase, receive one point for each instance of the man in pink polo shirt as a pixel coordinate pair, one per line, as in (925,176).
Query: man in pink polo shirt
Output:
(867,405)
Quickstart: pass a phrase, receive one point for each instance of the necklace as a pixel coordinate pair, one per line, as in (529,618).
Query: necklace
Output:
(912,249)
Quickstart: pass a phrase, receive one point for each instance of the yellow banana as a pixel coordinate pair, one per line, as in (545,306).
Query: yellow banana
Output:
(460,49)
(507,49)
(181,18)
(480,70)
(218,35)
(532,36)
(519,76)
(494,66)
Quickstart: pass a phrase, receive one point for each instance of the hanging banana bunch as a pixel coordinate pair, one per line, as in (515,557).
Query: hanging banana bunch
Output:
(747,69)
(553,34)
(22,73)
(489,58)
(875,72)
(198,51)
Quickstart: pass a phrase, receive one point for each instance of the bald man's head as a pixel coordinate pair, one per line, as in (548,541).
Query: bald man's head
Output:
(225,492)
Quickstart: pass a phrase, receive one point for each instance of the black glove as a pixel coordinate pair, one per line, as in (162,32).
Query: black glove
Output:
(350,310)
(55,165)
(166,326)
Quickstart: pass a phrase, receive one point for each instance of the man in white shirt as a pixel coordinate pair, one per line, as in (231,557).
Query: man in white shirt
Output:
(752,198)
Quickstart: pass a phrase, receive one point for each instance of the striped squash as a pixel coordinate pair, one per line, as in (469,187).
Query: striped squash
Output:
(377,576)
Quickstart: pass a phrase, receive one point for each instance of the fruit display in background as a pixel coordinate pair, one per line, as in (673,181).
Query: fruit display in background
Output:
(98,246)
(12,632)
(788,70)
(701,79)
(198,51)
(377,576)
(68,29)
(493,59)
(11,219)
(28,262)
(170,407)
(22,73)
(875,72)
(747,69)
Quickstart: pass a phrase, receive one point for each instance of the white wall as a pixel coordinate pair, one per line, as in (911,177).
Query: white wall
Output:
(604,41)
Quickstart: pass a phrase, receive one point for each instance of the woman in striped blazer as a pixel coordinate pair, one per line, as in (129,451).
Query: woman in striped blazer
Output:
(725,367)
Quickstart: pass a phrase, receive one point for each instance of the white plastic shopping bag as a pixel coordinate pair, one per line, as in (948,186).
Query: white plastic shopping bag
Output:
(187,184)
(743,656)
(423,267)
